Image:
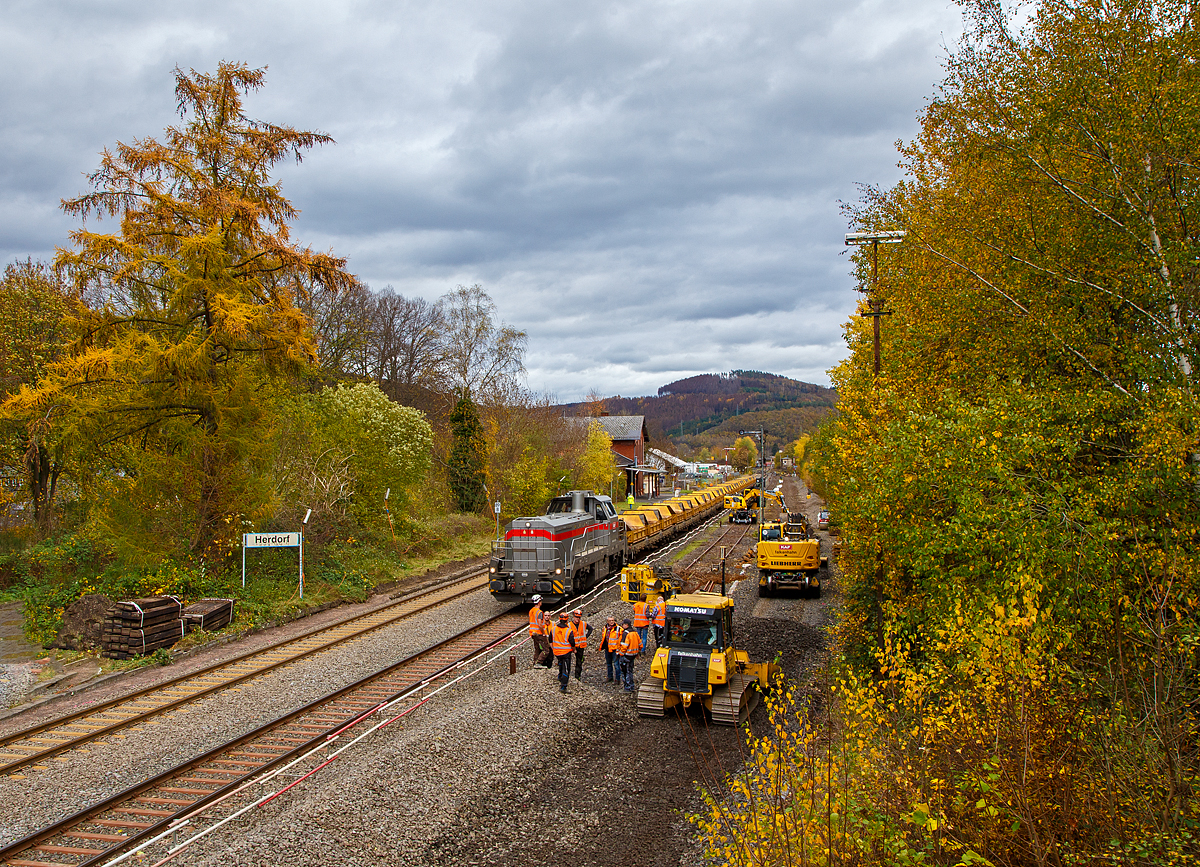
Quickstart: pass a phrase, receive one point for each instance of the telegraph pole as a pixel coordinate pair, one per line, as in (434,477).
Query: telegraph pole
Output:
(875,304)
(762,466)
(873,300)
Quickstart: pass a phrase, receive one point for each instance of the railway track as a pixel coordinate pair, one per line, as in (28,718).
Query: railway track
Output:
(170,803)
(730,538)
(30,746)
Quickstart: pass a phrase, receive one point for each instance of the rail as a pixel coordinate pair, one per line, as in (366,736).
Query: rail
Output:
(29,746)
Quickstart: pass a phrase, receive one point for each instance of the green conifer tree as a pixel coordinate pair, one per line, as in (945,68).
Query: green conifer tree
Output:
(467,467)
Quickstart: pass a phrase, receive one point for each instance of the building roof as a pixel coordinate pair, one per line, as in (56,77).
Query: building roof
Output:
(670,459)
(622,427)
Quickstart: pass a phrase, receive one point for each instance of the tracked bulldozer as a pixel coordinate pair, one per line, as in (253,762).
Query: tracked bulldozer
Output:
(699,662)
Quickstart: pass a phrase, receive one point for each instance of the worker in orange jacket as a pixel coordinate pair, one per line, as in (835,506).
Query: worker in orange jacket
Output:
(610,643)
(537,632)
(631,646)
(658,617)
(562,643)
(641,619)
(582,630)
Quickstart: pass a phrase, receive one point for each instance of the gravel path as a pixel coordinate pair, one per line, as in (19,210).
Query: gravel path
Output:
(501,770)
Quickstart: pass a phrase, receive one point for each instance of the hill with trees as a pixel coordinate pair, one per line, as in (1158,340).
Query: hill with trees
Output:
(698,416)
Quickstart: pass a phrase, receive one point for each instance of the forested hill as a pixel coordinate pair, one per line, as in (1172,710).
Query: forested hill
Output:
(708,410)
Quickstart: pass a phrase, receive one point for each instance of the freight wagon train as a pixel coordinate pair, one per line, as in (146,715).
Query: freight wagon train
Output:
(581,540)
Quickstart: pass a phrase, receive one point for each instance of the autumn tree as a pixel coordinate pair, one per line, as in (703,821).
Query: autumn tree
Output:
(343,326)
(35,310)
(173,373)
(386,445)
(408,346)
(744,454)
(596,467)
(483,357)
(1016,488)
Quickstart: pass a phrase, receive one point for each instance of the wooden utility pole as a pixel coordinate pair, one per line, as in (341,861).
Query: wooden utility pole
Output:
(875,303)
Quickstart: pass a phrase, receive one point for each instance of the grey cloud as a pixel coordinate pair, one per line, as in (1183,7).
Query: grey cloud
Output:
(648,188)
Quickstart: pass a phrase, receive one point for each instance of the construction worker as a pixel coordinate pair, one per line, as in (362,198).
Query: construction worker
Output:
(582,630)
(641,618)
(629,501)
(562,643)
(610,643)
(631,646)
(659,618)
(537,632)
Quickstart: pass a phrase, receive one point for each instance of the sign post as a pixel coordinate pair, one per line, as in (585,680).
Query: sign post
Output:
(274,540)
(496,509)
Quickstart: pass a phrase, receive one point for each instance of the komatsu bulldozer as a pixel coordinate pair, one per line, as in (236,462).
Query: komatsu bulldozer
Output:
(699,662)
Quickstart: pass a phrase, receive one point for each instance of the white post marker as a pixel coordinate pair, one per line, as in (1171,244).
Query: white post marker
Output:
(307,515)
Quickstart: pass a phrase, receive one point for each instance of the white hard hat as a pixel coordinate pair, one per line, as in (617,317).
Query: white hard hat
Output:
(535,599)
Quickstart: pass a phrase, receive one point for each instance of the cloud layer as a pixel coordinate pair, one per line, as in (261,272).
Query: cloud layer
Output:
(649,188)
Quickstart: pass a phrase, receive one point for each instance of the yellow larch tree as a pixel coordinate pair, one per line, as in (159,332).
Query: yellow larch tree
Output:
(169,382)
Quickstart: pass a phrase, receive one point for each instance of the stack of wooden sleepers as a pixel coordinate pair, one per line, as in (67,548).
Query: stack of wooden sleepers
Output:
(140,626)
(208,614)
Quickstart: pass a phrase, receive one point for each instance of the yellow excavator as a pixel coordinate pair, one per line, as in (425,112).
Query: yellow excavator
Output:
(699,662)
(789,557)
(744,509)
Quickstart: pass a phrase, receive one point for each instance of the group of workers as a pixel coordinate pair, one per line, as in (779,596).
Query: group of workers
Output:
(558,640)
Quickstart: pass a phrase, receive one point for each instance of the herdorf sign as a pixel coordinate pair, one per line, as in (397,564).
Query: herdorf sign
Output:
(271,540)
(274,540)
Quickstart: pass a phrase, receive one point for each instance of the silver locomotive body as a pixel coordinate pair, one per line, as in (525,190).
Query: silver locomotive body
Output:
(575,545)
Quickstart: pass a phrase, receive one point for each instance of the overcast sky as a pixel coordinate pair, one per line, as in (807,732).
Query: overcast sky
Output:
(649,188)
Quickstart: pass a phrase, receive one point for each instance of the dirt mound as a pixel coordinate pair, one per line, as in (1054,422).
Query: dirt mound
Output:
(81,623)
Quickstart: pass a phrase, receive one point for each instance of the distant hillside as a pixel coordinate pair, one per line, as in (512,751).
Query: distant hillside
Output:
(709,410)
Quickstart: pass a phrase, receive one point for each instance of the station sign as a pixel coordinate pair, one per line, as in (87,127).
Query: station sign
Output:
(276,540)
(271,540)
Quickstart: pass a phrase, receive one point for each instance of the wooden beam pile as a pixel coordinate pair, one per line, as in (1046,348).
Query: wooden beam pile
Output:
(140,626)
(208,614)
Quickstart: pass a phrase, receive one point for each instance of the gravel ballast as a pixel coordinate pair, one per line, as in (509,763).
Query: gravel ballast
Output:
(500,770)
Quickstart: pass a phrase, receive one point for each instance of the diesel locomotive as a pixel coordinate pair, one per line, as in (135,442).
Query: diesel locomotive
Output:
(579,542)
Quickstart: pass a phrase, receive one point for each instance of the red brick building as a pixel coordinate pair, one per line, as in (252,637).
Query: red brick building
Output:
(629,444)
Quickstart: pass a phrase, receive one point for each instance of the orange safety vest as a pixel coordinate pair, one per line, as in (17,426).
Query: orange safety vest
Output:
(537,621)
(612,638)
(560,638)
(660,614)
(632,645)
(639,615)
(581,629)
